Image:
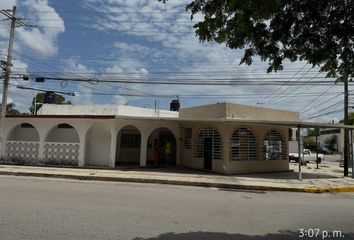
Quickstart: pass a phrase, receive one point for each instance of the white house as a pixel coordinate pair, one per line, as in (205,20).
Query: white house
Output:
(225,138)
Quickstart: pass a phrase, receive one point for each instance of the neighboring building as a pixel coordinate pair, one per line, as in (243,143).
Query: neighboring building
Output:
(332,138)
(225,138)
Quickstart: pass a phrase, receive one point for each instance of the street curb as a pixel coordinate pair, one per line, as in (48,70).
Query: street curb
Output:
(317,189)
(343,189)
(348,188)
(157,181)
(186,183)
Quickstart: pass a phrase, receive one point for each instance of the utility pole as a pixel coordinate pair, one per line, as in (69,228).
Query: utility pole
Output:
(7,77)
(346,131)
(317,131)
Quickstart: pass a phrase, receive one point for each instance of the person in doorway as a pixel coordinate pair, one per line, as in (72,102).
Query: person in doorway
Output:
(167,151)
(156,153)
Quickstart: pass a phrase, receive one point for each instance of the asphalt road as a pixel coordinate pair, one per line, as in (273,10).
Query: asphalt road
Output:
(44,208)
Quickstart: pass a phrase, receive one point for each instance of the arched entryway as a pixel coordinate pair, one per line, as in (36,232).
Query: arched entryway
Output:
(61,146)
(161,148)
(128,146)
(22,144)
(98,145)
(208,145)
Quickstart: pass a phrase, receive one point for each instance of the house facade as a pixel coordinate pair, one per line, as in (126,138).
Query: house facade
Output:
(224,138)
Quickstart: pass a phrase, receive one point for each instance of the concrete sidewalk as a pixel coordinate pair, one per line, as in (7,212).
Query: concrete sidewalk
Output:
(324,180)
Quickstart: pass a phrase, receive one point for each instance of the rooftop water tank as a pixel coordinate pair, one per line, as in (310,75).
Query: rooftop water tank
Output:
(49,97)
(175,105)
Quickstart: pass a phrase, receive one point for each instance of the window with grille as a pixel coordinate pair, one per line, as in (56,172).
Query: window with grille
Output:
(216,143)
(274,146)
(243,145)
(187,138)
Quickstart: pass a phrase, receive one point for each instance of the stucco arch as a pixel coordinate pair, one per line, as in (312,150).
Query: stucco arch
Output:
(212,132)
(62,132)
(22,144)
(23,132)
(274,145)
(129,125)
(243,144)
(156,146)
(128,145)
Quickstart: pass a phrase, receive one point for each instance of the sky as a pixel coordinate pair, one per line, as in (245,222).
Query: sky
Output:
(145,41)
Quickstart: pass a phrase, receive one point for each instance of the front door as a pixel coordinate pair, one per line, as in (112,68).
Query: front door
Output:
(208,145)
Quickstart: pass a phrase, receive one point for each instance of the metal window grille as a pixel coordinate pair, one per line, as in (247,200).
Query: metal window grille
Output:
(243,145)
(213,134)
(274,146)
(187,138)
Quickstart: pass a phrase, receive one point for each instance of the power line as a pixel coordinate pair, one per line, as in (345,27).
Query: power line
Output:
(313,101)
(110,21)
(328,107)
(275,91)
(45,90)
(326,113)
(108,12)
(293,83)
(190,81)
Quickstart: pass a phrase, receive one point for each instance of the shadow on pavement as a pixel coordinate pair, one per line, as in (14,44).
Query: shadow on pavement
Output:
(226,236)
(290,175)
(167,169)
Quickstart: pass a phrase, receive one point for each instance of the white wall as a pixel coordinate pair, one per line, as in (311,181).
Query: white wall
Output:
(106,153)
(68,135)
(98,146)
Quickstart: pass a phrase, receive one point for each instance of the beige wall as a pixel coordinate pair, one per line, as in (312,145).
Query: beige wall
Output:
(207,111)
(238,111)
(259,113)
(233,167)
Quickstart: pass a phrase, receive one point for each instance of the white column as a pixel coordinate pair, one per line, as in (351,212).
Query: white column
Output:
(112,161)
(82,150)
(143,149)
(178,151)
(41,148)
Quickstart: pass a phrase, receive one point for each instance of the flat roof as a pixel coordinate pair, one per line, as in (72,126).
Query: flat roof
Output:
(231,120)
(293,124)
(63,116)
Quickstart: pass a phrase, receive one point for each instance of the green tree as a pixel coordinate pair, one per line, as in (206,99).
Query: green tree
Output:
(318,32)
(313,132)
(38,100)
(11,109)
(350,119)
(310,143)
(331,143)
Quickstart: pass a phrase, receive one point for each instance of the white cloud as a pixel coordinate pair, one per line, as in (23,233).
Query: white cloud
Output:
(8,4)
(42,41)
(83,89)
(163,36)
(19,97)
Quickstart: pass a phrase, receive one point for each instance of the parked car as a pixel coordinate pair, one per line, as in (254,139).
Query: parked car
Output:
(324,150)
(306,157)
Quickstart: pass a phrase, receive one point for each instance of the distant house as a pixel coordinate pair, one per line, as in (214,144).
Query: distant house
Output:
(224,138)
(332,138)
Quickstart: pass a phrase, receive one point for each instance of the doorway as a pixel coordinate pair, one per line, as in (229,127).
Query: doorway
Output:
(156,148)
(208,146)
